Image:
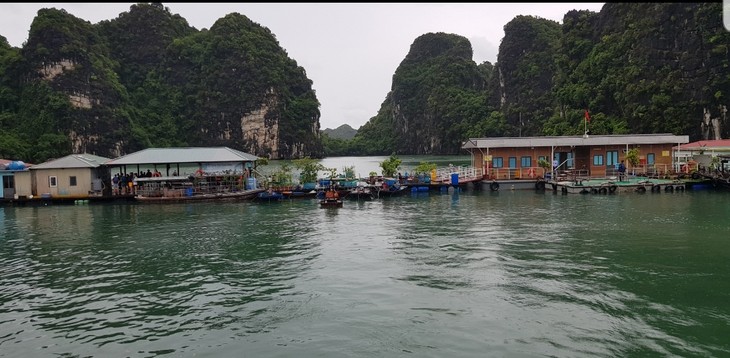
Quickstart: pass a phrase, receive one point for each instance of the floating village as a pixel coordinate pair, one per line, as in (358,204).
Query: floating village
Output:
(598,165)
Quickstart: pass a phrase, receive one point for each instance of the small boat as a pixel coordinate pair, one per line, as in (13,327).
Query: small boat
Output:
(393,190)
(299,194)
(360,193)
(331,203)
(331,199)
(269,195)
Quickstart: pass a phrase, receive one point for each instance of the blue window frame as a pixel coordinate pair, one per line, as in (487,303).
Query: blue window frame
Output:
(513,162)
(497,162)
(650,159)
(597,160)
(526,162)
(612,158)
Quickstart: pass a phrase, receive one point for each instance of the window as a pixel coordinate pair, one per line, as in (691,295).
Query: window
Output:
(612,158)
(497,162)
(72,180)
(650,159)
(570,160)
(8,182)
(513,162)
(542,157)
(52,181)
(597,160)
(526,162)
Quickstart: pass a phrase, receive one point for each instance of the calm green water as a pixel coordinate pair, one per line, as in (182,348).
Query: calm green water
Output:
(506,274)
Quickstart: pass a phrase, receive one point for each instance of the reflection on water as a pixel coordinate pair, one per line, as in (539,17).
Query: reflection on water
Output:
(512,273)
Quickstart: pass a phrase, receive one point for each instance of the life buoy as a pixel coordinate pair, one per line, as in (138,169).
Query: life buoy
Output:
(641,189)
(494,186)
(668,188)
(656,188)
(680,187)
(603,190)
(594,191)
(612,188)
(540,185)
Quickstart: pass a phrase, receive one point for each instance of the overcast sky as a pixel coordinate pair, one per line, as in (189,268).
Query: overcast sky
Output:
(350,51)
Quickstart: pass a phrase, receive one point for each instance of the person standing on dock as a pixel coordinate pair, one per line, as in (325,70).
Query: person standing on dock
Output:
(621,171)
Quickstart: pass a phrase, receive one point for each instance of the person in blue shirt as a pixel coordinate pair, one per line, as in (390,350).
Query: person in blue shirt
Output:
(621,171)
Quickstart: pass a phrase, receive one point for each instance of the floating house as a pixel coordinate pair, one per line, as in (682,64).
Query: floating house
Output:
(509,158)
(188,173)
(75,176)
(8,168)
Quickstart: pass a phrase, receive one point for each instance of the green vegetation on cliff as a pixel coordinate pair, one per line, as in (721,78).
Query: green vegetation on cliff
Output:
(148,79)
(637,67)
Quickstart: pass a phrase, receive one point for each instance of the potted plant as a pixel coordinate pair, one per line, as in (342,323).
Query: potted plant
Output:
(308,171)
(372,175)
(545,165)
(632,157)
(390,166)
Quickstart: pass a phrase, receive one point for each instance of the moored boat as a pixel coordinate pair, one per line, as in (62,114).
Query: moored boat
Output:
(360,192)
(269,195)
(331,199)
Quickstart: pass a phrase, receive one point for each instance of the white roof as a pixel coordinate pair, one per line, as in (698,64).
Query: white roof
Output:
(184,155)
(73,161)
(591,140)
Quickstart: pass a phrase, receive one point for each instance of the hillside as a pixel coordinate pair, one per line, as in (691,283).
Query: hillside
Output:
(148,79)
(342,132)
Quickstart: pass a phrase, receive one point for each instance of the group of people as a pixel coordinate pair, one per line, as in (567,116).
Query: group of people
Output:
(124,184)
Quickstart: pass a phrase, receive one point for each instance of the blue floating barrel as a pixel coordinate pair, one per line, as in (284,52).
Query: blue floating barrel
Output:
(422,188)
(189,192)
(414,189)
(251,183)
(390,182)
(454,178)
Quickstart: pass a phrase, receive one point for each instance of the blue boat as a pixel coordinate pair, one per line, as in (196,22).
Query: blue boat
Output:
(270,195)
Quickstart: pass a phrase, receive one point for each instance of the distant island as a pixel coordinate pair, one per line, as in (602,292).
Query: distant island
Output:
(344,132)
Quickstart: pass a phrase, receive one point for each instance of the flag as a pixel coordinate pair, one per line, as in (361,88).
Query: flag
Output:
(588,117)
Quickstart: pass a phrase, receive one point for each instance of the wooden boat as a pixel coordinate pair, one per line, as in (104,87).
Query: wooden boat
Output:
(331,199)
(188,188)
(241,195)
(299,194)
(360,193)
(331,203)
(392,190)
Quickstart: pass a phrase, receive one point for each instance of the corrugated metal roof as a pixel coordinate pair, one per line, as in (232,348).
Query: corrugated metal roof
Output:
(73,161)
(592,140)
(718,144)
(183,155)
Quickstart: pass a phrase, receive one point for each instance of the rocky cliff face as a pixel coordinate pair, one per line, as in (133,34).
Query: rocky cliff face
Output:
(148,79)
(437,91)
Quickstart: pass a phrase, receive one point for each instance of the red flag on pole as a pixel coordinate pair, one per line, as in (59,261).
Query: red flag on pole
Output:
(588,117)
